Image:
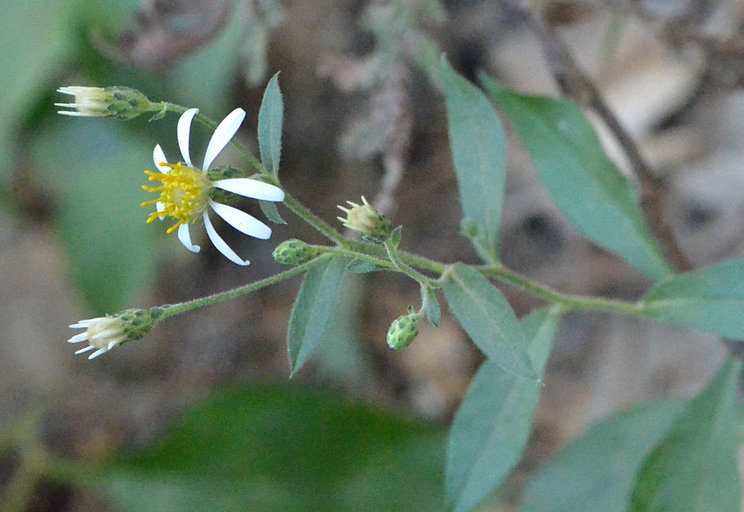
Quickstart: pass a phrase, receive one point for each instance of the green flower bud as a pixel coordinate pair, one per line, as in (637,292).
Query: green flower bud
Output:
(364,219)
(402,331)
(104,333)
(118,102)
(294,252)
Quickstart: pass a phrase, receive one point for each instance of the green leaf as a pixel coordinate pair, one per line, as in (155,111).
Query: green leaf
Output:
(478,150)
(270,119)
(596,472)
(585,185)
(271,211)
(694,468)
(494,422)
(92,168)
(433,311)
(362,267)
(395,236)
(710,299)
(313,310)
(489,321)
(28,68)
(267,448)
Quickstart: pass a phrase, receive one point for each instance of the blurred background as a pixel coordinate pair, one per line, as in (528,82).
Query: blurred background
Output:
(361,118)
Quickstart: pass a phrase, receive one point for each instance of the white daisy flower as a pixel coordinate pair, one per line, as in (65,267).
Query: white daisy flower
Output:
(187,192)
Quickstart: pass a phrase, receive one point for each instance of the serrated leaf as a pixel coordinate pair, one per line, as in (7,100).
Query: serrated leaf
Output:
(596,472)
(494,422)
(270,119)
(433,311)
(694,467)
(362,267)
(271,211)
(585,185)
(266,448)
(489,321)
(710,299)
(313,310)
(478,150)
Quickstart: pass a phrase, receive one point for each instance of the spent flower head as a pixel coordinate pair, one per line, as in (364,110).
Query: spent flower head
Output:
(106,332)
(188,193)
(367,221)
(118,102)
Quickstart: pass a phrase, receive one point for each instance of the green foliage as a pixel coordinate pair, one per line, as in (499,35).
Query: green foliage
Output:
(270,119)
(362,267)
(710,299)
(313,309)
(489,321)
(206,76)
(598,470)
(433,311)
(26,68)
(93,170)
(269,209)
(585,185)
(493,424)
(478,150)
(268,449)
(693,468)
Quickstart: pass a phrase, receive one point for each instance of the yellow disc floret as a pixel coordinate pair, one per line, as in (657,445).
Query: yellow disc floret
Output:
(184,194)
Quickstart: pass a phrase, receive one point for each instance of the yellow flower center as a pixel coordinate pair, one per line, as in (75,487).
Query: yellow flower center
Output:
(184,193)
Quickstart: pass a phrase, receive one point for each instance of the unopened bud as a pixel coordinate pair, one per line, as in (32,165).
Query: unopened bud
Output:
(294,252)
(402,331)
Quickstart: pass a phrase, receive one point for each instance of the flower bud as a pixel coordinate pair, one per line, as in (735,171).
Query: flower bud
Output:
(118,102)
(104,333)
(294,252)
(402,331)
(364,219)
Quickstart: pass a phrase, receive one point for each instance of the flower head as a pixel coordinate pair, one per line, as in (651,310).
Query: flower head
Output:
(188,193)
(106,332)
(119,102)
(364,219)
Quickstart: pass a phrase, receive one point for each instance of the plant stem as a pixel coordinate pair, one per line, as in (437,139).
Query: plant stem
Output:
(568,301)
(174,309)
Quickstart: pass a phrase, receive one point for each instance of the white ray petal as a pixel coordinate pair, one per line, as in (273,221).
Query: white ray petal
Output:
(220,244)
(97,353)
(86,349)
(159,158)
(251,188)
(106,334)
(184,131)
(185,237)
(241,221)
(87,323)
(78,338)
(222,135)
(112,344)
